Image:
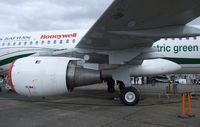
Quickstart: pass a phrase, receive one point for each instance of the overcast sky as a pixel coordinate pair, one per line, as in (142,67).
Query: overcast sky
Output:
(41,15)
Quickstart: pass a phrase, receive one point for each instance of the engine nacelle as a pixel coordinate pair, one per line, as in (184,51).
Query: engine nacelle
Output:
(48,76)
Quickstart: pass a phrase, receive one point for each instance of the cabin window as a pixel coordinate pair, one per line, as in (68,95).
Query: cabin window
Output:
(25,43)
(54,41)
(31,42)
(19,43)
(74,40)
(8,44)
(61,41)
(48,42)
(42,42)
(14,44)
(67,41)
(36,42)
(3,44)
(195,38)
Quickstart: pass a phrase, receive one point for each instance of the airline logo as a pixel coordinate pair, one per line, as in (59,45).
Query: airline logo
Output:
(17,38)
(58,36)
(176,48)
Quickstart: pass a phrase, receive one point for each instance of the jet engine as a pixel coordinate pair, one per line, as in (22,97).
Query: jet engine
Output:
(48,76)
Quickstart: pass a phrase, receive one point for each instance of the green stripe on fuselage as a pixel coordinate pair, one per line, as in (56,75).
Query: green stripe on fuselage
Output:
(11,59)
(184,60)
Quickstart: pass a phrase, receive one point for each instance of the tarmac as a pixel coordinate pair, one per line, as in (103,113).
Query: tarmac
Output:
(92,106)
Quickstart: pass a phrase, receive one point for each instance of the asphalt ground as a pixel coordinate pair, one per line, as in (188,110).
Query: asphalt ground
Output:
(92,106)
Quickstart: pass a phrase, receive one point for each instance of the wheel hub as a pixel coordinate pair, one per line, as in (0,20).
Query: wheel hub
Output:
(130,97)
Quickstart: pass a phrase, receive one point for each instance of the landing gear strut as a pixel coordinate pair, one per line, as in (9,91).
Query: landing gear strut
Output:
(121,85)
(111,86)
(129,96)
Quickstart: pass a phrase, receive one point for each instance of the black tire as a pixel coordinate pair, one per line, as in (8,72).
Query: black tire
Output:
(111,86)
(130,96)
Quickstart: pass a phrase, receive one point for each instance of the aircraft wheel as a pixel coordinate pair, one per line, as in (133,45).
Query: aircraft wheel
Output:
(130,96)
(111,86)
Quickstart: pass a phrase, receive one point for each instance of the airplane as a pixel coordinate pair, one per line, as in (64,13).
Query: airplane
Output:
(131,38)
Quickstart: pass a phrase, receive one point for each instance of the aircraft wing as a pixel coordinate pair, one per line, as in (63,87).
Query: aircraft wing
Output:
(132,23)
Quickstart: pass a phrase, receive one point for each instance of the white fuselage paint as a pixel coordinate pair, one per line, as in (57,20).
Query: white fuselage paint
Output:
(12,45)
(183,51)
(36,43)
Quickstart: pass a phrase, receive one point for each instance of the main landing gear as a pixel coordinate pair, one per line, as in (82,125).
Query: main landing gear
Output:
(129,96)
(111,86)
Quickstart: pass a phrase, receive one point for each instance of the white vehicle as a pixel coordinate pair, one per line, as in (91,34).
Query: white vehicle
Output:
(181,81)
(131,38)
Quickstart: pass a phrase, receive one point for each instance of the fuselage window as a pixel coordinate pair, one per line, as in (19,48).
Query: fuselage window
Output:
(42,42)
(48,42)
(74,40)
(67,41)
(3,44)
(54,41)
(14,44)
(61,41)
(25,43)
(31,42)
(8,43)
(36,42)
(19,43)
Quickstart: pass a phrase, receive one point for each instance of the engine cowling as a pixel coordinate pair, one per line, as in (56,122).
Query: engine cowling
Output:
(48,76)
